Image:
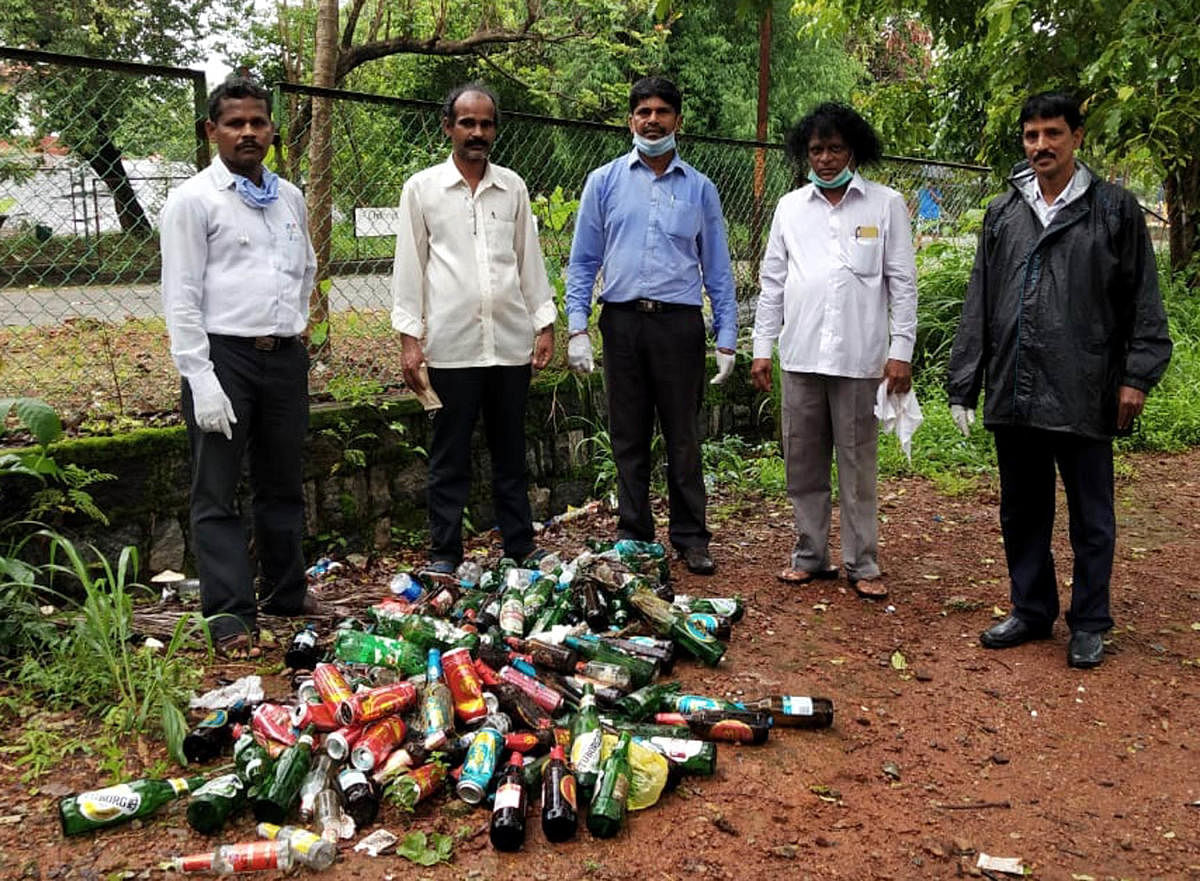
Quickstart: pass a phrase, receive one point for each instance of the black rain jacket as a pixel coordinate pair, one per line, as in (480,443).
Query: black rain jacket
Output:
(1057,318)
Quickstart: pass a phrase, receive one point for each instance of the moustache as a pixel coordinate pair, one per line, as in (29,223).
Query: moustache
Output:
(1044,154)
(479,142)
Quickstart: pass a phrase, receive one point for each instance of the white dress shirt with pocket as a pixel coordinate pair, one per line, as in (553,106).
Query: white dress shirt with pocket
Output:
(838,282)
(468,275)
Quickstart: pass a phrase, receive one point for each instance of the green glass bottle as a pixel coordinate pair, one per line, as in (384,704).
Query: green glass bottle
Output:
(732,607)
(356,647)
(693,638)
(645,701)
(694,757)
(100,808)
(554,612)
(640,670)
(215,802)
(536,597)
(279,793)
(253,763)
(607,810)
(586,741)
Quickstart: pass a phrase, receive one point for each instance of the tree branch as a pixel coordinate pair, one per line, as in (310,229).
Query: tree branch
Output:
(352,22)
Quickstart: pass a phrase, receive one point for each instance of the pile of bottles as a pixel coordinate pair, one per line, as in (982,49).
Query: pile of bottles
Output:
(497,686)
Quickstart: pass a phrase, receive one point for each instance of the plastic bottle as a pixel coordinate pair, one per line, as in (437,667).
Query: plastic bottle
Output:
(307,848)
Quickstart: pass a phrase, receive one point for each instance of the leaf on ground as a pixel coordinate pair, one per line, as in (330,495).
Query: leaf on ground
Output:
(899,662)
(998,612)
(1196,625)
(929,577)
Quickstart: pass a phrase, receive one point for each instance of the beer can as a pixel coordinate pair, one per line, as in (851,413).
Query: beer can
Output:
(375,703)
(437,717)
(546,698)
(306,692)
(320,716)
(480,765)
(331,684)
(339,743)
(377,742)
(526,742)
(465,686)
(397,763)
(486,674)
(274,723)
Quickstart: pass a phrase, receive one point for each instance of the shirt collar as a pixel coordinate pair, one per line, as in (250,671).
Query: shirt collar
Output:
(857,184)
(449,176)
(1080,178)
(634,158)
(222,177)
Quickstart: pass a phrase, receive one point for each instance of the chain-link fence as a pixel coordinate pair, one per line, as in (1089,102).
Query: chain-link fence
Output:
(89,150)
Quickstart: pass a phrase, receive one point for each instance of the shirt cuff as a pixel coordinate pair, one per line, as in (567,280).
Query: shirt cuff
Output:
(763,347)
(204,384)
(404,323)
(901,350)
(545,315)
(577,321)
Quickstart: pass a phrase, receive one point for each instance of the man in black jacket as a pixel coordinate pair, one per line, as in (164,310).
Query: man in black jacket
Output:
(1064,323)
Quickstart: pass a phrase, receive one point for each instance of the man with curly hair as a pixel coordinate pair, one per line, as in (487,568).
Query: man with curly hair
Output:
(839,295)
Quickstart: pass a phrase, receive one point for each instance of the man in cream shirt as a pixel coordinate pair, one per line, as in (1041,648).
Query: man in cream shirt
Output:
(237,269)
(471,300)
(839,293)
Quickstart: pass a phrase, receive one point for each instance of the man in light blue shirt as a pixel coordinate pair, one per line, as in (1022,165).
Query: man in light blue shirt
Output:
(654,225)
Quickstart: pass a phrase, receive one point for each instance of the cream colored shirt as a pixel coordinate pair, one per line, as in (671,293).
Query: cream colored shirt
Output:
(838,282)
(469,276)
(231,269)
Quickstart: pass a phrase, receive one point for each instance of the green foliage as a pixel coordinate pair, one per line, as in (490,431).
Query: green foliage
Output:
(731,463)
(426,850)
(943,270)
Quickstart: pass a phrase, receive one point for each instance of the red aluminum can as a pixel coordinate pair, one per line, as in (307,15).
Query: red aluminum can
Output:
(375,703)
(331,684)
(339,743)
(465,686)
(526,742)
(546,698)
(486,674)
(320,716)
(274,722)
(377,743)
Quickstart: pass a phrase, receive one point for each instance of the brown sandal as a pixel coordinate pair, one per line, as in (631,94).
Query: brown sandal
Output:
(800,576)
(237,647)
(870,588)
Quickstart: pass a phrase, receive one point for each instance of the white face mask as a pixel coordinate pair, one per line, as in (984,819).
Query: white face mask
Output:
(665,144)
(842,178)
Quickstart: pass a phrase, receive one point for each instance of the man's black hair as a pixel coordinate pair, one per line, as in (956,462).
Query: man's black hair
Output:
(1050,105)
(834,118)
(655,87)
(458,91)
(237,87)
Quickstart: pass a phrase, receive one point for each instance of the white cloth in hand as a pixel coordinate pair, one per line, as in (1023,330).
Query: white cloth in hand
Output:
(579,354)
(214,412)
(899,414)
(964,418)
(724,367)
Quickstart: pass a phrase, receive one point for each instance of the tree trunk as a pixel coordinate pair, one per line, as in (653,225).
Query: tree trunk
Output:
(320,171)
(106,162)
(1182,191)
(757,214)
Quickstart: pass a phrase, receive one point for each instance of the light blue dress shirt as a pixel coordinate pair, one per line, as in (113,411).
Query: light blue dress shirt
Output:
(656,237)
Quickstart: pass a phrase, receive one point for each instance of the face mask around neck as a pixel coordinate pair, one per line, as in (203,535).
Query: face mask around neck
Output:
(650,148)
(843,177)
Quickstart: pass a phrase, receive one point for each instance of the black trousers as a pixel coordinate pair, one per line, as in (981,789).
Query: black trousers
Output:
(269,393)
(654,364)
(1027,458)
(501,393)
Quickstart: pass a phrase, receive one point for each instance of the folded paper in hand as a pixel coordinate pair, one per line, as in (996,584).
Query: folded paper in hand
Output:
(427,396)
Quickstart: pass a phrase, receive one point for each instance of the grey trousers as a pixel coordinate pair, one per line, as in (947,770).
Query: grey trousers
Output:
(821,414)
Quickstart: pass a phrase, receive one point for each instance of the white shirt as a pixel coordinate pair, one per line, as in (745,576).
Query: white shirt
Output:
(1046,211)
(469,275)
(231,269)
(829,278)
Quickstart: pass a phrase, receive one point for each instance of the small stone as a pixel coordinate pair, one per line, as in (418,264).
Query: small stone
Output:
(922,676)
(999,759)
(961,845)
(1126,843)
(822,841)
(784,851)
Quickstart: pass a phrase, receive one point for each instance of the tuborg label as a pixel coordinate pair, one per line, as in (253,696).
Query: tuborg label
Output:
(107,804)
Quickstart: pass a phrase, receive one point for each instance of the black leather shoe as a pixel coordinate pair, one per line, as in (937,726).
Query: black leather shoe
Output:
(1085,649)
(699,561)
(1010,632)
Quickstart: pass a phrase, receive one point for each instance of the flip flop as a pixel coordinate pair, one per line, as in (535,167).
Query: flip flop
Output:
(800,576)
(237,647)
(870,588)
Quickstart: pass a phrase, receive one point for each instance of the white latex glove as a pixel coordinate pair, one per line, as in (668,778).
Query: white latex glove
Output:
(964,418)
(214,413)
(724,367)
(579,354)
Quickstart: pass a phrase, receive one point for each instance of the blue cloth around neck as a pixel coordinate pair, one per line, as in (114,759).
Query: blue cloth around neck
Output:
(255,196)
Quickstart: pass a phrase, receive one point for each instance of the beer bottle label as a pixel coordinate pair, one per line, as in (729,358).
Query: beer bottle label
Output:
(797,706)
(102,805)
(585,752)
(305,639)
(215,719)
(251,856)
(225,786)
(351,777)
(508,796)
(695,627)
(179,785)
(302,841)
(566,786)
(677,748)
(620,789)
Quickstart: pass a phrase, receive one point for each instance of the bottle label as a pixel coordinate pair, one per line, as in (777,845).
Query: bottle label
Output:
(508,796)
(797,706)
(215,719)
(302,841)
(620,789)
(678,749)
(101,805)
(722,605)
(305,639)
(179,784)
(694,624)
(732,730)
(252,856)
(225,786)
(351,777)
(585,752)
(693,703)
(566,786)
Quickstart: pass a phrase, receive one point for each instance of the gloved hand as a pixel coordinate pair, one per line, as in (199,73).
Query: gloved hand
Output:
(964,418)
(724,366)
(579,354)
(214,412)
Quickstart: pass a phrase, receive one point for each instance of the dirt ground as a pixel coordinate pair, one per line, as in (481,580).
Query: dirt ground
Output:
(1080,774)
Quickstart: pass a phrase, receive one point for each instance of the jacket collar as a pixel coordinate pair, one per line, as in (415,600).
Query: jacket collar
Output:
(1024,180)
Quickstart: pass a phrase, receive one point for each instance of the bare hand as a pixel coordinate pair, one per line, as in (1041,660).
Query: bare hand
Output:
(543,347)
(1130,402)
(760,374)
(898,375)
(412,356)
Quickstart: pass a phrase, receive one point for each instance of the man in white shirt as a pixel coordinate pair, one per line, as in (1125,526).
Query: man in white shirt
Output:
(838,292)
(237,269)
(472,302)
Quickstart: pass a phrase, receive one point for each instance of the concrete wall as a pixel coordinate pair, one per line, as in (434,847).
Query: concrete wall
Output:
(356,507)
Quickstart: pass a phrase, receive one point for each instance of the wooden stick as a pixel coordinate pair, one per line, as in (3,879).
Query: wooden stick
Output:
(974,805)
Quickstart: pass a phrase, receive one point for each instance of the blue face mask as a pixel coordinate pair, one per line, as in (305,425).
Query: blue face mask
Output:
(255,196)
(843,177)
(650,148)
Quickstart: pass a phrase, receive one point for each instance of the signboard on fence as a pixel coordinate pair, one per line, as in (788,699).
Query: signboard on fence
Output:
(375,222)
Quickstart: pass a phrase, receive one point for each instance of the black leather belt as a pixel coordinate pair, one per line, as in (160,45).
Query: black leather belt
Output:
(651,306)
(260,343)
